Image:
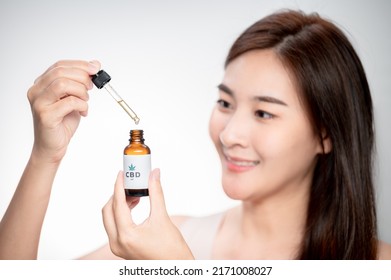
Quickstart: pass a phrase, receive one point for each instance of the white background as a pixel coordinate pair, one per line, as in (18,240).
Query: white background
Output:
(166,59)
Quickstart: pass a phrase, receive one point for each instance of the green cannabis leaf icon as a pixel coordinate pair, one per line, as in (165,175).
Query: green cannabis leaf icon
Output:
(132,167)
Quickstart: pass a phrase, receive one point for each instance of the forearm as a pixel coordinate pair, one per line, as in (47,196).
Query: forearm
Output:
(21,225)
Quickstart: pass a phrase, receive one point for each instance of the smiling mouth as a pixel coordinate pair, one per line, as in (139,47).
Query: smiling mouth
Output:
(239,165)
(244,163)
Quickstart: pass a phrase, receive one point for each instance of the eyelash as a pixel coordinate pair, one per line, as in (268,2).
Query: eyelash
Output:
(259,113)
(224,104)
(263,115)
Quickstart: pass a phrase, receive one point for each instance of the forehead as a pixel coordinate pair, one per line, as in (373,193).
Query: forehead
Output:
(260,72)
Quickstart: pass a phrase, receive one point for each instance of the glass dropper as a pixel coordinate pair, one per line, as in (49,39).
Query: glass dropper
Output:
(101,80)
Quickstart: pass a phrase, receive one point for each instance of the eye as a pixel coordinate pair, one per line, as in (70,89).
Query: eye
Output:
(263,115)
(224,104)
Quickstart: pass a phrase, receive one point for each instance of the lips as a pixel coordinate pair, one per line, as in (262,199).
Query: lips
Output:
(237,164)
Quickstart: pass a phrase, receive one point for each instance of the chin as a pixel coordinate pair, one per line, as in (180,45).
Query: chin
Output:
(235,191)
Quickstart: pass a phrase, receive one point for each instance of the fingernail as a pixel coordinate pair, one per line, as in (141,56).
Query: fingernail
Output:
(156,174)
(94,65)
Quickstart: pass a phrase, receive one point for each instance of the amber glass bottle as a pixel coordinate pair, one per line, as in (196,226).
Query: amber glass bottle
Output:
(137,165)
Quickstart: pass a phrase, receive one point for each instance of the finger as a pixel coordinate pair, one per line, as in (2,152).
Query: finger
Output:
(92,67)
(79,71)
(63,87)
(83,113)
(65,106)
(122,215)
(97,65)
(59,89)
(156,197)
(55,88)
(132,201)
(108,220)
(65,73)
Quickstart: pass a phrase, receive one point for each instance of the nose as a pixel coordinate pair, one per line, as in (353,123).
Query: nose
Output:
(236,132)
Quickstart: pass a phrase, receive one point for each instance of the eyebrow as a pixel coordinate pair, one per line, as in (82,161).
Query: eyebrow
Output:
(261,98)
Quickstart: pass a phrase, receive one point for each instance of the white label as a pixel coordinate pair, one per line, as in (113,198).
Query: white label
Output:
(136,171)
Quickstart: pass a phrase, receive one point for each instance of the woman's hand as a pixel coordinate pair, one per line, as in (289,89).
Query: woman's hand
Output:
(58,99)
(156,238)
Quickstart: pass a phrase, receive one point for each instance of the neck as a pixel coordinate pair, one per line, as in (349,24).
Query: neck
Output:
(275,224)
(274,217)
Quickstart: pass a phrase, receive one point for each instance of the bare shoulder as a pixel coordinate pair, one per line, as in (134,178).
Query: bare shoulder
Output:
(384,251)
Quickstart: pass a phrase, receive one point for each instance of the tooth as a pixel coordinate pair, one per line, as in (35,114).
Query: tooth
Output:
(244,163)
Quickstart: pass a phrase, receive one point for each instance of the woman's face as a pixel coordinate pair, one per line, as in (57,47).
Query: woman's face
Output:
(261,130)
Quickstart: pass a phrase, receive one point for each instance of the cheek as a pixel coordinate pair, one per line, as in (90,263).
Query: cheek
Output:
(303,140)
(292,147)
(216,125)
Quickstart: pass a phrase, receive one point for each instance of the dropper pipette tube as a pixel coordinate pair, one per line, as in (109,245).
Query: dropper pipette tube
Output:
(102,79)
(122,103)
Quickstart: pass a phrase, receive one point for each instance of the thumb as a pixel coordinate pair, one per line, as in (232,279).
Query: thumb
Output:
(156,197)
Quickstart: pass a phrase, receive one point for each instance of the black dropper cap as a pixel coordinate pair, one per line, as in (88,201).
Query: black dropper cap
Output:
(100,79)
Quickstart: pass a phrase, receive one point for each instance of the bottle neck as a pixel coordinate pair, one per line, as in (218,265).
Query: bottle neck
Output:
(137,136)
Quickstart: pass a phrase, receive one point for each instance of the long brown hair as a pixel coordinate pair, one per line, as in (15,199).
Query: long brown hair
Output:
(341,221)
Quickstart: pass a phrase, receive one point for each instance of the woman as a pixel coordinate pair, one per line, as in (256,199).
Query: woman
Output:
(293,126)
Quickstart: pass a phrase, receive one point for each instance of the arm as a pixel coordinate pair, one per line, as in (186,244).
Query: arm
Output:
(21,225)
(58,99)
